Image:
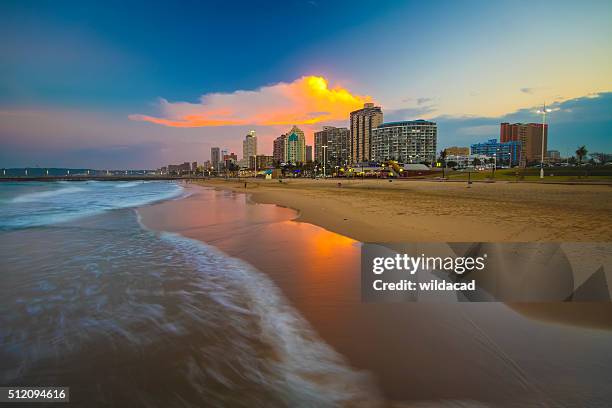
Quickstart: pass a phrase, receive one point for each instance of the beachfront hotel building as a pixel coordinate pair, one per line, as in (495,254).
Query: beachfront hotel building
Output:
(249,146)
(215,158)
(278,150)
(363,121)
(295,146)
(529,135)
(412,141)
(308,153)
(337,140)
(504,152)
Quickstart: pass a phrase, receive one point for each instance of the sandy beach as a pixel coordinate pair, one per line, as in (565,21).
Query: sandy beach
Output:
(424,211)
(431,211)
(413,353)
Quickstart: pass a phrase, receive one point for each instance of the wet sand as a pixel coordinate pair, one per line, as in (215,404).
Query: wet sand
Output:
(415,352)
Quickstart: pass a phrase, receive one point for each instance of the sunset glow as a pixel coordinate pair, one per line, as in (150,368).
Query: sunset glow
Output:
(307,100)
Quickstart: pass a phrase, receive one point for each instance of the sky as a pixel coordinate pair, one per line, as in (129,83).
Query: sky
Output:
(143,84)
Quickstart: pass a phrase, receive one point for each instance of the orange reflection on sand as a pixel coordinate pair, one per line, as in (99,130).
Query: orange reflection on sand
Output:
(329,262)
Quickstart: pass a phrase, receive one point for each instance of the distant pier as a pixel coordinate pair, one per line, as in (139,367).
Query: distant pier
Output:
(102,178)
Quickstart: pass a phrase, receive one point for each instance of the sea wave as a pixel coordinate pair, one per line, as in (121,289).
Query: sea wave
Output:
(30,205)
(129,184)
(43,195)
(311,370)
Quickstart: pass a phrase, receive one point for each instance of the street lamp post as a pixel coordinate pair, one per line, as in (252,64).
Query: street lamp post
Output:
(543,112)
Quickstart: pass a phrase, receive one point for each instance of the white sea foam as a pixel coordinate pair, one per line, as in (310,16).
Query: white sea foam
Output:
(53,204)
(129,184)
(310,368)
(43,195)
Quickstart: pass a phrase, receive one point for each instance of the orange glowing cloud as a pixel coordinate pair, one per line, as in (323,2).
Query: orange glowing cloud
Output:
(305,101)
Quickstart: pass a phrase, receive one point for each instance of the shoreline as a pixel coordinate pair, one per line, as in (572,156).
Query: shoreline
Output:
(422,211)
(318,272)
(590,315)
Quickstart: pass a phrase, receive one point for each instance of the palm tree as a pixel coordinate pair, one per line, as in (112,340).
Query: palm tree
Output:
(443,160)
(581,153)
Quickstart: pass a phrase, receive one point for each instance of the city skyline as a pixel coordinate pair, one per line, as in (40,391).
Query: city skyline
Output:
(85,86)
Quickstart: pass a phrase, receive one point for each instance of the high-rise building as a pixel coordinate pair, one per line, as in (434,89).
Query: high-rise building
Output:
(338,144)
(504,153)
(249,146)
(308,153)
(295,146)
(530,137)
(278,151)
(407,142)
(215,158)
(363,121)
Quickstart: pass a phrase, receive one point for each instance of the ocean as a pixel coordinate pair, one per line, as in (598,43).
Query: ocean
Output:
(126,316)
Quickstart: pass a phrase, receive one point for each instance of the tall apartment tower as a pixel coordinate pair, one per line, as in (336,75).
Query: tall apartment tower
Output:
(278,151)
(363,121)
(295,146)
(215,157)
(337,140)
(249,146)
(406,141)
(529,135)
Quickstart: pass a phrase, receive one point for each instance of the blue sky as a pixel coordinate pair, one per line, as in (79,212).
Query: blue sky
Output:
(73,73)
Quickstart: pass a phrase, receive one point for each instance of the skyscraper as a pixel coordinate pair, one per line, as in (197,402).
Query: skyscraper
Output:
(295,146)
(530,137)
(337,141)
(362,123)
(215,157)
(249,146)
(407,142)
(278,151)
(308,153)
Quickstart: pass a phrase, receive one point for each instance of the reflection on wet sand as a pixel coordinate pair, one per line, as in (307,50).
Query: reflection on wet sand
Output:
(417,352)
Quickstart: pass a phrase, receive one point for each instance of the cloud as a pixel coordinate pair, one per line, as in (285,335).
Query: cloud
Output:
(533,90)
(305,101)
(585,120)
(424,106)
(478,130)
(408,113)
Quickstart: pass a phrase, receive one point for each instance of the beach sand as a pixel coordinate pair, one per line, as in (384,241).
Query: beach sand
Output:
(425,211)
(465,353)
(433,211)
